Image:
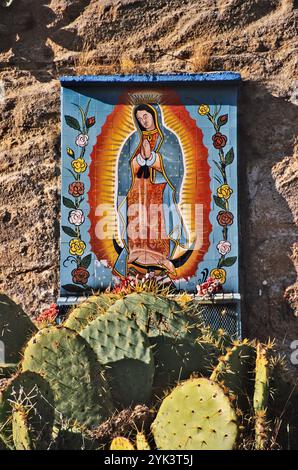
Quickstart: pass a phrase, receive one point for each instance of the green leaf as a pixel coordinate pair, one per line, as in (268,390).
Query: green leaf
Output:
(217,178)
(229,157)
(85,262)
(69,231)
(72,122)
(228,261)
(83,116)
(73,288)
(73,174)
(219,202)
(87,108)
(220,168)
(68,203)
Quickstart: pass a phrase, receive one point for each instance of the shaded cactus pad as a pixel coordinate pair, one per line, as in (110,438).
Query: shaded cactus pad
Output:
(119,344)
(36,398)
(15,330)
(196,415)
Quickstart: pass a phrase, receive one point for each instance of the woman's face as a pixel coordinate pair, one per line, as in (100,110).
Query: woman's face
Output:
(146,120)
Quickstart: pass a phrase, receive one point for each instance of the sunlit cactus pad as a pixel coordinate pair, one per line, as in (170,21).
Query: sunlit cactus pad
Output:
(196,415)
(90,309)
(68,363)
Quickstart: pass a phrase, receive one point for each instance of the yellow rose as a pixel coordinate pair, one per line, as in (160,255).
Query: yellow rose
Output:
(203,109)
(76,247)
(224,191)
(79,165)
(219,274)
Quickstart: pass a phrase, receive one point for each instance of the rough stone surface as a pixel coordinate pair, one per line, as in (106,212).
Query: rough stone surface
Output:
(42,40)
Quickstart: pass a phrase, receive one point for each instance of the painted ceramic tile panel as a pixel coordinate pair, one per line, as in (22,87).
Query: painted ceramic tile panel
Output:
(149,184)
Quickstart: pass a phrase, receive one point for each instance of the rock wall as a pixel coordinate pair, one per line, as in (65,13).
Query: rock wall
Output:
(43,39)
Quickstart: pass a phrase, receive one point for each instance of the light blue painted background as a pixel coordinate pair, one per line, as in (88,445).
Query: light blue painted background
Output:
(103,100)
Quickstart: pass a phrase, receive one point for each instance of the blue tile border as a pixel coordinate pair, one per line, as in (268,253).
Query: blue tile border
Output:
(190,78)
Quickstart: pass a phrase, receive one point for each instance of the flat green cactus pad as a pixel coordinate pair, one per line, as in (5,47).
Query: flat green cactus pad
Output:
(235,370)
(155,315)
(88,310)
(35,396)
(15,330)
(196,415)
(121,346)
(172,332)
(68,363)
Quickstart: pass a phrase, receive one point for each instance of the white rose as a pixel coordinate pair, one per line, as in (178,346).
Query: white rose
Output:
(76,217)
(82,140)
(224,247)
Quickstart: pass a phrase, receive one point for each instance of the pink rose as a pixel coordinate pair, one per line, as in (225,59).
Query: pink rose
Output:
(224,247)
(82,140)
(76,217)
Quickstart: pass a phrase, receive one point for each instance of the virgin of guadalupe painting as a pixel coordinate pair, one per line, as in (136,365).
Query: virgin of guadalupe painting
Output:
(149,193)
(150,178)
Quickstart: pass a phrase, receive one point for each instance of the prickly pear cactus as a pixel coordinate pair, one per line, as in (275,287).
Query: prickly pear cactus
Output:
(141,442)
(196,415)
(155,315)
(33,395)
(73,439)
(235,370)
(172,332)
(15,330)
(121,346)
(221,338)
(67,362)
(88,310)
(261,394)
(20,429)
(121,443)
